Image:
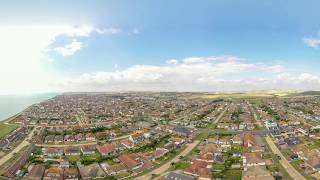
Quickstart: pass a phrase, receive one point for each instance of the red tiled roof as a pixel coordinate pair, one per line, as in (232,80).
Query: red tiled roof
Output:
(106,148)
(128,161)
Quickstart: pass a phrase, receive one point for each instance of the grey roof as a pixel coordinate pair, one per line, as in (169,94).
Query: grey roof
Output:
(183,130)
(176,176)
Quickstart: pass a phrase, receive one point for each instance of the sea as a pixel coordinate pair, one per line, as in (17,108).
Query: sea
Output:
(13,104)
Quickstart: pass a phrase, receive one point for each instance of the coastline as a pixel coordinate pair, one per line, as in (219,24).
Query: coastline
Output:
(26,102)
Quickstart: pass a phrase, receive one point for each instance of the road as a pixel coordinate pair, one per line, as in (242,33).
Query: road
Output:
(284,162)
(167,165)
(221,114)
(23,144)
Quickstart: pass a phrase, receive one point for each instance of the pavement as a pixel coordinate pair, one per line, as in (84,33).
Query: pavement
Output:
(163,168)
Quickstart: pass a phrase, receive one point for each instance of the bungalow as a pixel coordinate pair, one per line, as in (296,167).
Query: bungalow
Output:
(115,169)
(292,141)
(225,142)
(130,161)
(49,139)
(69,138)
(88,149)
(127,143)
(199,169)
(236,139)
(92,171)
(70,174)
(253,159)
(169,146)
(139,136)
(300,149)
(58,139)
(102,135)
(159,152)
(182,131)
(72,151)
(257,172)
(314,162)
(64,164)
(53,173)
(206,157)
(80,137)
(90,137)
(248,139)
(53,152)
(178,142)
(106,149)
(36,173)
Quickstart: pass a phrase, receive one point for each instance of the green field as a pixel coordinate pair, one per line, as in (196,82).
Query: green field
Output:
(6,129)
(253,94)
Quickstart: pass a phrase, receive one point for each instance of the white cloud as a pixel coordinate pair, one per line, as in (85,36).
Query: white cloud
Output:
(69,49)
(314,43)
(189,74)
(111,30)
(23,60)
(172,62)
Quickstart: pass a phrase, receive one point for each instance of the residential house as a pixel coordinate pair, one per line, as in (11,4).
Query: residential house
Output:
(115,169)
(55,173)
(248,139)
(72,151)
(88,149)
(182,131)
(130,161)
(36,173)
(69,139)
(199,169)
(106,149)
(58,139)
(253,159)
(70,174)
(90,137)
(53,152)
(92,171)
(159,152)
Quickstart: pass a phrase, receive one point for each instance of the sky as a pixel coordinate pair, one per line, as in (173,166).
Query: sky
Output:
(143,45)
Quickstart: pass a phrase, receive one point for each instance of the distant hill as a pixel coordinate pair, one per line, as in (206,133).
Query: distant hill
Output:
(306,93)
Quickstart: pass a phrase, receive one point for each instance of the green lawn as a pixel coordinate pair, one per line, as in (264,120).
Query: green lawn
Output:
(233,174)
(181,165)
(73,158)
(6,129)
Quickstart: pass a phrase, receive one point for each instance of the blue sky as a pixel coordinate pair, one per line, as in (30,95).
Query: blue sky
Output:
(119,45)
